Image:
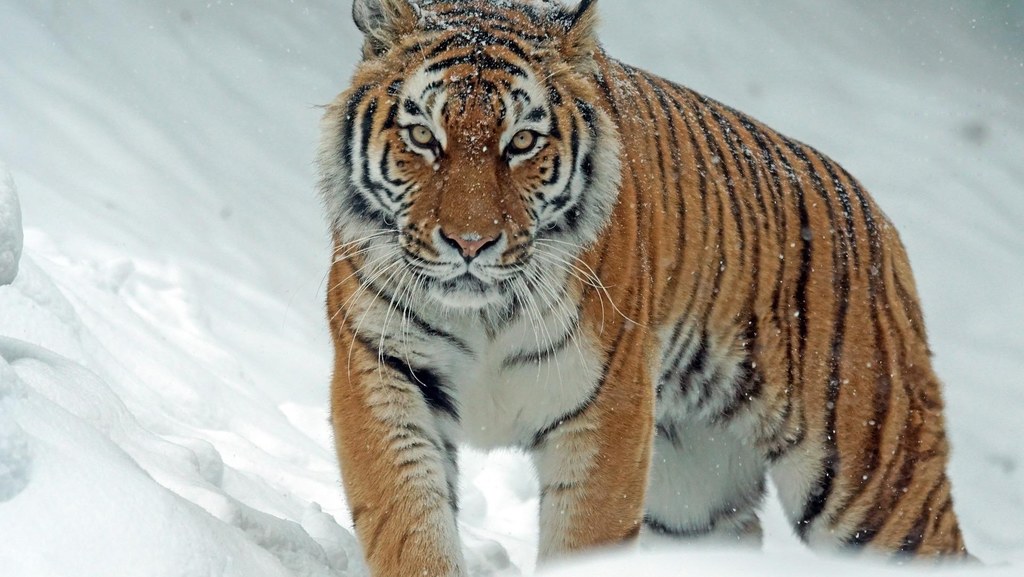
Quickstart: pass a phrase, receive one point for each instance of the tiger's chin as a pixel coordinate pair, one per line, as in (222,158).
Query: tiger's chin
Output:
(467,294)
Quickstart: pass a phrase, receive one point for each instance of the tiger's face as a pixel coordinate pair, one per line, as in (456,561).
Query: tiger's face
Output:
(471,157)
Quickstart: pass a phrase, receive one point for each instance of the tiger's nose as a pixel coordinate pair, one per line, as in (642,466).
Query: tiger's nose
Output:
(469,244)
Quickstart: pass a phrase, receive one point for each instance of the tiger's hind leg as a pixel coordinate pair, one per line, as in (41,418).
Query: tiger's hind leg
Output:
(869,472)
(893,497)
(706,484)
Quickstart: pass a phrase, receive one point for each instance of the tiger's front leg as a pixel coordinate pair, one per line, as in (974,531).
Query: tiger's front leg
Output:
(593,467)
(394,461)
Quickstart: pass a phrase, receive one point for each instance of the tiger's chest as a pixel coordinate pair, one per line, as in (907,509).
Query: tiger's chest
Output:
(506,386)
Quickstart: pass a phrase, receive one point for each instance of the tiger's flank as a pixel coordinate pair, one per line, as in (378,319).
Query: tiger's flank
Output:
(659,298)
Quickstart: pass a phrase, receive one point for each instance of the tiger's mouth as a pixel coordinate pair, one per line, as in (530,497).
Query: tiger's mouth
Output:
(467,292)
(465,283)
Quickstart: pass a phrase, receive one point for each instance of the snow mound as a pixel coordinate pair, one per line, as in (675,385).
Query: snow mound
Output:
(10,228)
(15,455)
(82,471)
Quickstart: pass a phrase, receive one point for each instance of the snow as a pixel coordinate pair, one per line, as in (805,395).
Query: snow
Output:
(10,229)
(163,354)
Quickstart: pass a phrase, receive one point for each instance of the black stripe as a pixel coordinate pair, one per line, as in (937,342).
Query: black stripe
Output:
(536,357)
(520,94)
(385,171)
(437,333)
(606,90)
(722,261)
(451,452)
(588,113)
(662,528)
(818,496)
(844,200)
(677,167)
(554,129)
(911,542)
(681,348)
(475,39)
(883,371)
(556,171)
(355,204)
(555,95)
(587,170)
(840,275)
(429,383)
(481,60)
(804,273)
(698,362)
(348,123)
(368,185)
(433,389)
(541,436)
(730,187)
(945,510)
(861,537)
(559,487)
(389,122)
(430,88)
(910,308)
(358,206)
(535,115)
(669,432)
(768,161)
(748,385)
(412,108)
(656,136)
(414,432)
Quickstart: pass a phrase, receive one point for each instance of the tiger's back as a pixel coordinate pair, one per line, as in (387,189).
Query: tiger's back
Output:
(661,299)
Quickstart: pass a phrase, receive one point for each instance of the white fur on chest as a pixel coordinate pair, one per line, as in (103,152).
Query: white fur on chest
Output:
(505,392)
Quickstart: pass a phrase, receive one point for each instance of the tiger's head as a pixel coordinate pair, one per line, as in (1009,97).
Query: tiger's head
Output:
(471,160)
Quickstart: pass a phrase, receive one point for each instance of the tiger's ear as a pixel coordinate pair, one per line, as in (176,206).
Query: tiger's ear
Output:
(580,43)
(382,22)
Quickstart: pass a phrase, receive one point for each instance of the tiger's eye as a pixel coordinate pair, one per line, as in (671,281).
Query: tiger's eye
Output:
(523,141)
(421,135)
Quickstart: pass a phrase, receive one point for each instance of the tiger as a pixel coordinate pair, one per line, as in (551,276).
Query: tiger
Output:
(659,299)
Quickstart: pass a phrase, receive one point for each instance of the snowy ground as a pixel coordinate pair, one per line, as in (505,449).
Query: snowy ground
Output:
(163,354)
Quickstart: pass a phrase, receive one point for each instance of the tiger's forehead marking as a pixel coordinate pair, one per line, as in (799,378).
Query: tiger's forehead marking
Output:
(471,84)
